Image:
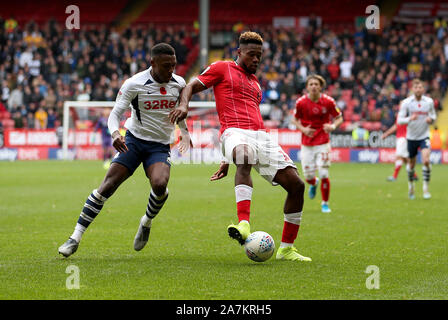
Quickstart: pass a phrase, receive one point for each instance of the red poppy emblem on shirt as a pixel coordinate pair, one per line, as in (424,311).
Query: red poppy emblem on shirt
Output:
(162,90)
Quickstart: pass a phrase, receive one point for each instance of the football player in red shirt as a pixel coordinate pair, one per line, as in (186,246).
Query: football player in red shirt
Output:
(316,115)
(245,141)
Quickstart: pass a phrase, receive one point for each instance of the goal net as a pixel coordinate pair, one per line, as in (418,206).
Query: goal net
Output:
(80,139)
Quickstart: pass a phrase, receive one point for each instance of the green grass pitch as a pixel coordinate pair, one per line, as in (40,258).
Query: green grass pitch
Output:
(190,255)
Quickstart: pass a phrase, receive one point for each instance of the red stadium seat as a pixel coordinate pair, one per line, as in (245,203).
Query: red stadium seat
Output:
(8,124)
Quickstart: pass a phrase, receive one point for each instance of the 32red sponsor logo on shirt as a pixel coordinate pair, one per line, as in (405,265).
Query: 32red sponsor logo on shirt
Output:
(159,104)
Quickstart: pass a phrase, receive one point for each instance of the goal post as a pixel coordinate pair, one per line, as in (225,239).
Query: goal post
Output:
(66,118)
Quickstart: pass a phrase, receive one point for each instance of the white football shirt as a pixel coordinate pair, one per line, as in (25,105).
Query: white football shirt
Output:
(151,103)
(417,129)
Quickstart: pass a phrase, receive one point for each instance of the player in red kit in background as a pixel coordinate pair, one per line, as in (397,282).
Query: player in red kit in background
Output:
(316,115)
(245,141)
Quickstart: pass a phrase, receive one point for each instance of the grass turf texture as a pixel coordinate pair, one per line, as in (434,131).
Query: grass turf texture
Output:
(190,255)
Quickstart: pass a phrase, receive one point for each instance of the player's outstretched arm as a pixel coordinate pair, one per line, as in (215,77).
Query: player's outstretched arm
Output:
(432,116)
(403,115)
(180,113)
(389,131)
(185,139)
(122,103)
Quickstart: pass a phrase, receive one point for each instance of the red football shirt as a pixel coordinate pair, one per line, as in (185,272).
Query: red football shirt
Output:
(401,130)
(316,114)
(237,95)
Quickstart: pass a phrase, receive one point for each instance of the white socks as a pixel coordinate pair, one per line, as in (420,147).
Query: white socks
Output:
(243,192)
(79,231)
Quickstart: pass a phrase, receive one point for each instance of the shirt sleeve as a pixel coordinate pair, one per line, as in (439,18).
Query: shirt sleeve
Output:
(432,111)
(298,110)
(403,117)
(212,75)
(124,98)
(334,110)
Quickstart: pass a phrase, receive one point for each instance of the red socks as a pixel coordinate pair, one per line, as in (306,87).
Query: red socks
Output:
(325,189)
(396,171)
(243,195)
(291,227)
(243,210)
(290,232)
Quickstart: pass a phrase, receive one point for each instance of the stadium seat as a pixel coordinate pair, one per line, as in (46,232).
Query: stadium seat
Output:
(8,124)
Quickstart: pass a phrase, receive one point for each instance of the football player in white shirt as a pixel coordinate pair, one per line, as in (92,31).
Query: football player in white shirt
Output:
(152,94)
(417,112)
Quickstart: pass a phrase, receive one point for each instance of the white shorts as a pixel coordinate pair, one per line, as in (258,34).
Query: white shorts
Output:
(401,147)
(268,158)
(314,157)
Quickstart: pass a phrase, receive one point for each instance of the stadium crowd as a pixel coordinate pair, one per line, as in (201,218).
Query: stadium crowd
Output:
(367,73)
(43,66)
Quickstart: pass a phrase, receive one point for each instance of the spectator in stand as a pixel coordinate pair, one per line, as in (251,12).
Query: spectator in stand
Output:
(95,62)
(41,118)
(414,67)
(276,115)
(29,121)
(18,120)
(51,119)
(5,92)
(333,70)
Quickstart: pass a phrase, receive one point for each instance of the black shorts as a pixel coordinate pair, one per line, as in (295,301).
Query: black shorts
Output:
(415,145)
(142,151)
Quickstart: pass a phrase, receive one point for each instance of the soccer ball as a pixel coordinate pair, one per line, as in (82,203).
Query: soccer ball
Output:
(259,246)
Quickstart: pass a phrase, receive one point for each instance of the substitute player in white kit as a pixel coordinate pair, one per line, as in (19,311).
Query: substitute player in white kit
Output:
(152,94)
(417,111)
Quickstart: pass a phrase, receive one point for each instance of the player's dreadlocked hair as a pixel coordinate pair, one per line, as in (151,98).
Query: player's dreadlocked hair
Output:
(317,77)
(162,48)
(250,37)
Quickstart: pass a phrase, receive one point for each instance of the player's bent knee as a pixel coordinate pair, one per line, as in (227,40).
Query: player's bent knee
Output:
(159,185)
(309,175)
(296,187)
(300,186)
